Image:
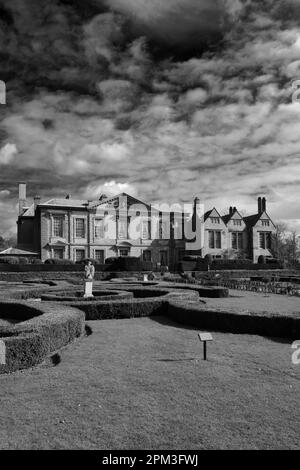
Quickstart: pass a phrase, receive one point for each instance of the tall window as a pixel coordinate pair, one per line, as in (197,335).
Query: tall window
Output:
(122,229)
(99,256)
(264,240)
(80,228)
(237,240)
(79,255)
(214,239)
(99,228)
(58,227)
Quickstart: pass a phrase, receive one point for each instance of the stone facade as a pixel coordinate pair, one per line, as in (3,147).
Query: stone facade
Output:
(76,229)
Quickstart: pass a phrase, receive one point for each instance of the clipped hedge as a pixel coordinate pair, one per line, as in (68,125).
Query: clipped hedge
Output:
(203,291)
(62,296)
(234,321)
(45,328)
(137,307)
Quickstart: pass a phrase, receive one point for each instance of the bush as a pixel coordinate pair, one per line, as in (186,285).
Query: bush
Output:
(36,261)
(209,259)
(59,261)
(130,263)
(261,259)
(9,260)
(111,260)
(46,329)
(23,260)
(230,320)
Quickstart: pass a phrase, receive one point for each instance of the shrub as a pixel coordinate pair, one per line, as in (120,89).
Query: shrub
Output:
(22,260)
(111,260)
(46,328)
(130,263)
(209,259)
(36,261)
(230,320)
(59,261)
(9,260)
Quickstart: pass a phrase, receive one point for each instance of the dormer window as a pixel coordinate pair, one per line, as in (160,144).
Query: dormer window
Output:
(237,223)
(265,223)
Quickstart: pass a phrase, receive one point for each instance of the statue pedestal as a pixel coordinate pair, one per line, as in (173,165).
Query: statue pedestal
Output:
(88,288)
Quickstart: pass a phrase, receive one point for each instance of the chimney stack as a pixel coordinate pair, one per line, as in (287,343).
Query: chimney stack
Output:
(22,197)
(259,203)
(230,210)
(263,204)
(195,213)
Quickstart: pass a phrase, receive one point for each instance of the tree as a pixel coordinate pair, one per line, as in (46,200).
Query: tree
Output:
(7,242)
(279,241)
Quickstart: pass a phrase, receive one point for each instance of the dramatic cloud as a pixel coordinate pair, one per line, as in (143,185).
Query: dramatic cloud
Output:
(164,100)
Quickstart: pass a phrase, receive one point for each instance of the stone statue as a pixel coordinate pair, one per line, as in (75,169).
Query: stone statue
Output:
(89,271)
(89,274)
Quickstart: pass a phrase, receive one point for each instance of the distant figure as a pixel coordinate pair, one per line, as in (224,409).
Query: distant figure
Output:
(89,271)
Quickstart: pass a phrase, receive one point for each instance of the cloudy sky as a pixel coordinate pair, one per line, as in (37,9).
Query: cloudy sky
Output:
(163,99)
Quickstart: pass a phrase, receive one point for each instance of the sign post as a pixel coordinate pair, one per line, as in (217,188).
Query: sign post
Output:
(204,337)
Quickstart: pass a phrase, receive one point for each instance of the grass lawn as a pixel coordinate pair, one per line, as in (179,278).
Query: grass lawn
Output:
(142,384)
(258,302)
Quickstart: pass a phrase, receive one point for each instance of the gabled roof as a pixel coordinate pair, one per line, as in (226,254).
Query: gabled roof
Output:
(228,217)
(251,220)
(16,252)
(212,213)
(130,200)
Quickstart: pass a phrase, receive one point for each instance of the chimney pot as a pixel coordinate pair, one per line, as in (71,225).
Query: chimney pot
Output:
(259,205)
(263,204)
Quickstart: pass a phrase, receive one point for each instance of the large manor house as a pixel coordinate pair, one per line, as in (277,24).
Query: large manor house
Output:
(77,229)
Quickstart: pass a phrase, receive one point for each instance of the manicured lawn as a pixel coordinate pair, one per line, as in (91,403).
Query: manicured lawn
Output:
(142,384)
(259,302)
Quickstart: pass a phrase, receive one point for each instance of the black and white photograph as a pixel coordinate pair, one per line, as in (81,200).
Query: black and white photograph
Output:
(149,228)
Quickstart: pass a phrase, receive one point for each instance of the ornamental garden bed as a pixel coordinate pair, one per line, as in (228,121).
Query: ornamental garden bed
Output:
(42,330)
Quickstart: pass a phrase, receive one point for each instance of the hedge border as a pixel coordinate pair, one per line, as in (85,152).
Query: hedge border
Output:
(60,296)
(231,321)
(134,307)
(29,342)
